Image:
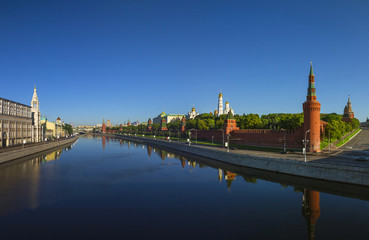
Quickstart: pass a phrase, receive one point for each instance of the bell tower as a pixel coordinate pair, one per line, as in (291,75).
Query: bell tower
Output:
(312,116)
(36,117)
(220,104)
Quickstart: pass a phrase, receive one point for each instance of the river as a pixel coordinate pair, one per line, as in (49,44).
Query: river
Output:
(108,188)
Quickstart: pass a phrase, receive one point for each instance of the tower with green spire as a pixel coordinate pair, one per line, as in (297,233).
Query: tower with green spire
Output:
(312,116)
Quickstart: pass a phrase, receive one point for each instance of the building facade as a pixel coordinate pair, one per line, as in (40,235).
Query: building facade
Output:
(19,123)
(168,117)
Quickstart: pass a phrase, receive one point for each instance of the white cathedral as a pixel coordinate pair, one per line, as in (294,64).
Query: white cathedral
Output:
(220,110)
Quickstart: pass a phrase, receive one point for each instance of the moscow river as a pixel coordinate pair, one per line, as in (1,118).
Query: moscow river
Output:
(107,188)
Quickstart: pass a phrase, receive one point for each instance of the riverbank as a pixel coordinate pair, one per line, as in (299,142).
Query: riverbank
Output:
(292,164)
(7,155)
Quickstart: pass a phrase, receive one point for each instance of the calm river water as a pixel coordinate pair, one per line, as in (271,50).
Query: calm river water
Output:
(104,188)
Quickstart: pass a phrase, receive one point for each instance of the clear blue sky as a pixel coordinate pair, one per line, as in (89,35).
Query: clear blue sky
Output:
(133,59)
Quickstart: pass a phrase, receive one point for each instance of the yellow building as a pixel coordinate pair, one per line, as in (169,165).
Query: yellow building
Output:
(52,129)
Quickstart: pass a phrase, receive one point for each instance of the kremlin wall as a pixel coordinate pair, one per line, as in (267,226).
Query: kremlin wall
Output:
(312,128)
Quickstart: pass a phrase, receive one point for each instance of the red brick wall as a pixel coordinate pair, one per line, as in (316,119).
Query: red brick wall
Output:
(268,137)
(255,137)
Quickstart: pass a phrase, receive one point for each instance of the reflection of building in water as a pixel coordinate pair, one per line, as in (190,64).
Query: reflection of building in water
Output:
(220,175)
(54,155)
(183,162)
(229,177)
(311,210)
(103,142)
(149,150)
(163,154)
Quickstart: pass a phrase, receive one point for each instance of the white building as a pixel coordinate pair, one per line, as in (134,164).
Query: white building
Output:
(192,114)
(19,123)
(220,106)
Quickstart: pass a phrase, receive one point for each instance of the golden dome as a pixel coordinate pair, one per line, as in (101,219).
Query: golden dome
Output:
(58,118)
(220,95)
(216,112)
(227,102)
(193,109)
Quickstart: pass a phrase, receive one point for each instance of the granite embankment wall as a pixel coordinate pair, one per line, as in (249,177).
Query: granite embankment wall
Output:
(10,155)
(321,171)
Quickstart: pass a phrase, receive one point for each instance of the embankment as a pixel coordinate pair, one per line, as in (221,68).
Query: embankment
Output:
(6,156)
(315,170)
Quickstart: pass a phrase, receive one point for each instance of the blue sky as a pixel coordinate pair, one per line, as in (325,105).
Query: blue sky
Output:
(123,60)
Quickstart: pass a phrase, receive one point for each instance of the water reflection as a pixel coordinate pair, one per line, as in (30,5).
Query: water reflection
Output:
(21,179)
(310,198)
(311,210)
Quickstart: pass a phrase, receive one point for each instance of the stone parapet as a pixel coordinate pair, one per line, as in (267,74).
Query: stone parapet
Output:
(10,155)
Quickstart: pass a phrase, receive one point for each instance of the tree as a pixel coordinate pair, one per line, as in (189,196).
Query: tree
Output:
(68,128)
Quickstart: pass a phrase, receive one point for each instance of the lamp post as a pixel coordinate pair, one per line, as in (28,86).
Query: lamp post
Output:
(223,136)
(284,138)
(212,139)
(228,135)
(305,142)
(189,138)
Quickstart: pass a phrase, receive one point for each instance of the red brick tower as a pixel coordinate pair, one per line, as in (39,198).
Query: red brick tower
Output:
(103,126)
(230,123)
(163,125)
(149,125)
(312,116)
(183,125)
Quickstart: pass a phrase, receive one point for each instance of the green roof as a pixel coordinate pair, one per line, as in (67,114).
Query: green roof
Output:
(311,69)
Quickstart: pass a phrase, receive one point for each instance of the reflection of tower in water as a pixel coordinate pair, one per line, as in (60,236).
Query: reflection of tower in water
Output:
(183,162)
(311,210)
(103,142)
(220,175)
(149,150)
(229,177)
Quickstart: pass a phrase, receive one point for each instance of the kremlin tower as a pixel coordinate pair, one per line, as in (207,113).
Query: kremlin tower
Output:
(103,126)
(348,114)
(220,104)
(312,116)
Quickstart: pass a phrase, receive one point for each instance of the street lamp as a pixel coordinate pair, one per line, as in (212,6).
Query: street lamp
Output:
(189,138)
(284,138)
(305,142)
(228,135)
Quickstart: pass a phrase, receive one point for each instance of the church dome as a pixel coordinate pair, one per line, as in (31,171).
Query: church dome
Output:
(193,109)
(58,119)
(227,102)
(220,95)
(216,112)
